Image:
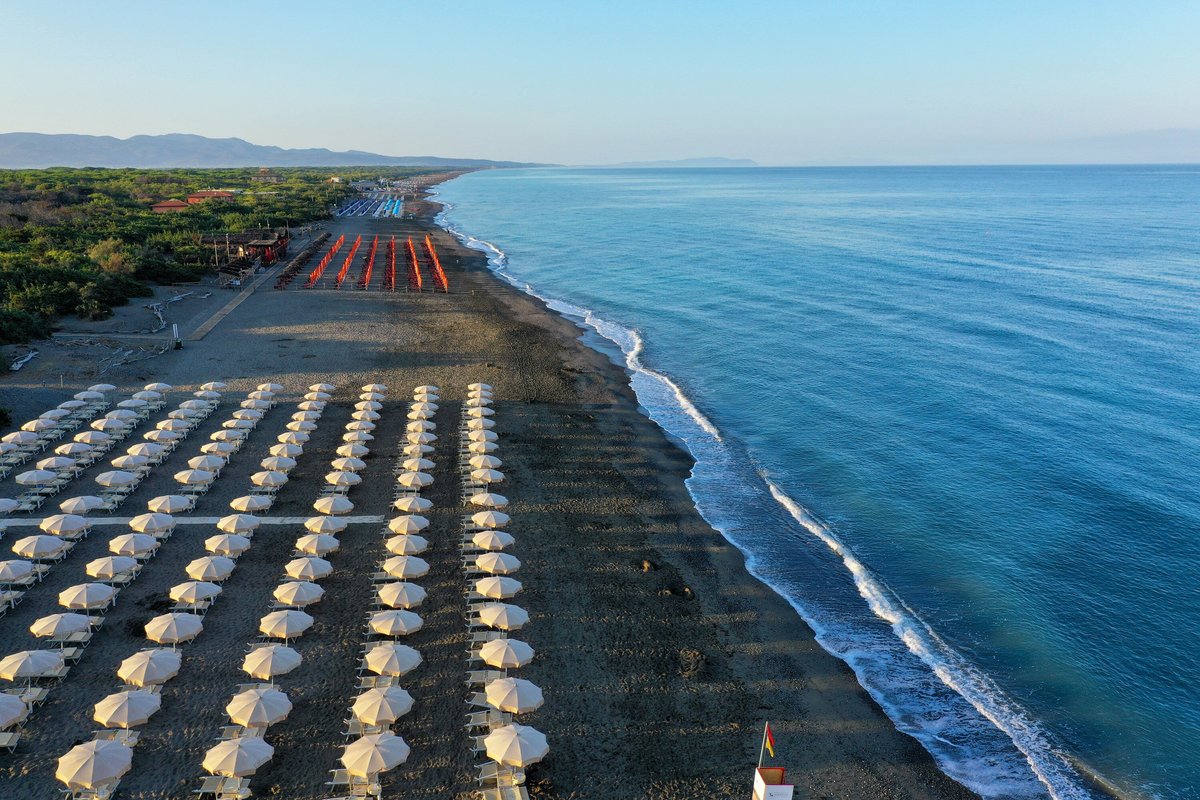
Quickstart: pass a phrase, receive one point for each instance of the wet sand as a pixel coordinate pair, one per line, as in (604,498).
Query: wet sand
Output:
(659,655)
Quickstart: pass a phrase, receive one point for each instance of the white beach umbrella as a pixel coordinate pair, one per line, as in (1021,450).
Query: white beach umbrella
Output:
(417,464)
(503,616)
(317,544)
(239,523)
(170,504)
(152,523)
(479,387)
(395,622)
(407,545)
(323,396)
(214,386)
(150,667)
(487,476)
(360,425)
(147,394)
(513,695)
(30,664)
(175,425)
(131,403)
(174,628)
(483,447)
(192,592)
(334,505)
(353,450)
(210,568)
(261,395)
(480,424)
(127,709)
(382,705)
(36,477)
(133,545)
(102,387)
(258,405)
(497,587)
(375,387)
(405,567)
(268,661)
(250,503)
(73,405)
(237,758)
(269,478)
(490,519)
(60,626)
(343,479)
(401,594)
(420,426)
(130,462)
(94,765)
(412,504)
(410,523)
(497,563)
(308,568)
(117,477)
(419,415)
(416,449)
(392,660)
(63,524)
(57,463)
(72,449)
(420,438)
(15,570)
(223,449)
(21,437)
(12,711)
(414,480)
(516,745)
(366,415)
(258,708)
(278,463)
(348,464)
(108,567)
(286,624)
(38,425)
(306,416)
(243,424)
(292,437)
(357,436)
(322,387)
(269,387)
(209,462)
(492,540)
(378,396)
(301,425)
(373,753)
(311,405)
(482,411)
(146,450)
(330,525)
(423,407)
(183,413)
(478,401)
(195,477)
(227,544)
(368,405)
(162,436)
(506,653)
(228,435)
(285,450)
(298,593)
(426,389)
(122,414)
(39,547)
(482,436)
(425,397)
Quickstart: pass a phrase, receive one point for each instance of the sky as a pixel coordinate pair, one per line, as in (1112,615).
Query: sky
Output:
(583,82)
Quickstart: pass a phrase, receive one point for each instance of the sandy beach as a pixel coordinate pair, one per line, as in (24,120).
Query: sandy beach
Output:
(659,655)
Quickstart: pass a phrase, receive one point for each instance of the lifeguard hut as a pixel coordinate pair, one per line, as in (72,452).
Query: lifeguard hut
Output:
(770,784)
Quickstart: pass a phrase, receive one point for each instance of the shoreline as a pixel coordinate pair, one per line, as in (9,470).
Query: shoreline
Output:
(659,653)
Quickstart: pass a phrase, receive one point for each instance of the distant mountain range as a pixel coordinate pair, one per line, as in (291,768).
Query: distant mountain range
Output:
(38,150)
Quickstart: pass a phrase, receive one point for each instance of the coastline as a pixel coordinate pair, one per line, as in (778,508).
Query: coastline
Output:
(659,653)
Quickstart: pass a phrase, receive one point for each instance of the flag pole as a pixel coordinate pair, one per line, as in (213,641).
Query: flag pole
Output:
(763,747)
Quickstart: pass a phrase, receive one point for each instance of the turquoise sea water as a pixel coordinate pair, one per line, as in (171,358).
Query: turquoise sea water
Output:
(949,413)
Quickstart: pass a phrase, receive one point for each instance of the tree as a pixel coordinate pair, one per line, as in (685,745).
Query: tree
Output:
(111,257)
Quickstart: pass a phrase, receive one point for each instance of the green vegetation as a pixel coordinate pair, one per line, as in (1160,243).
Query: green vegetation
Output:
(80,241)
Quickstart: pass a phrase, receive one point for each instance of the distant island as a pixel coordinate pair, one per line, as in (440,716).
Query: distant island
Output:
(40,150)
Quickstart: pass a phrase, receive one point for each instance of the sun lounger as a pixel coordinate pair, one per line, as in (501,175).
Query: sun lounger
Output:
(9,740)
(503,776)
(127,738)
(31,695)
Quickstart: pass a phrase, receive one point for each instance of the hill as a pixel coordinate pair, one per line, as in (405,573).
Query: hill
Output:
(40,150)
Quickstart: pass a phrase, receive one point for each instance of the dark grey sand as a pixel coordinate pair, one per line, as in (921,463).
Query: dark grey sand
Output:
(658,653)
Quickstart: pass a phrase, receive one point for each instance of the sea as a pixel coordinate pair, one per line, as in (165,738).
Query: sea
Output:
(950,414)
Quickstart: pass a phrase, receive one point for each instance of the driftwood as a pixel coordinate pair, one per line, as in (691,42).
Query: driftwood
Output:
(23,360)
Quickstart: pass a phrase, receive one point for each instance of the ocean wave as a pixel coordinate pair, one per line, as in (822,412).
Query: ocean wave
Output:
(979,772)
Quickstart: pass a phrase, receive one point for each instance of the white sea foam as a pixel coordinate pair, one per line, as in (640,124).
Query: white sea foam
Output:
(981,774)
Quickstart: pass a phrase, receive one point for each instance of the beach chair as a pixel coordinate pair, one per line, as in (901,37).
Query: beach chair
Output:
(125,737)
(502,776)
(9,740)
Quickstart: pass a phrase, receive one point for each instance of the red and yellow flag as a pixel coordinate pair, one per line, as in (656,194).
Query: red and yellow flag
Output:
(769,740)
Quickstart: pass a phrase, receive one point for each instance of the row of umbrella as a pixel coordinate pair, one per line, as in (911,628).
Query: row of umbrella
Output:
(512,744)
(54,422)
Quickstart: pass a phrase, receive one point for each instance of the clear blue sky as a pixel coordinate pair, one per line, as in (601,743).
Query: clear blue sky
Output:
(593,82)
